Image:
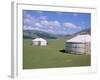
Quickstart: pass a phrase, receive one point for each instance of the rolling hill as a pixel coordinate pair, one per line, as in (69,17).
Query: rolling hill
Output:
(84,31)
(36,34)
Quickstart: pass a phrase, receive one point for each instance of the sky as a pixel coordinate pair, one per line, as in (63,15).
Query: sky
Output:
(56,22)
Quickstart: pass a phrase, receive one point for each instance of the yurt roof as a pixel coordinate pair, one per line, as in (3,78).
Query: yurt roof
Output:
(80,38)
(38,39)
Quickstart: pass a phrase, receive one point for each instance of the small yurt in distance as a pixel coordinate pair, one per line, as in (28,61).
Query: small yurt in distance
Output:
(39,42)
(79,44)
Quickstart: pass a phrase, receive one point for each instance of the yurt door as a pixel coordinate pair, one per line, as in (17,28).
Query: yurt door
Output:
(39,43)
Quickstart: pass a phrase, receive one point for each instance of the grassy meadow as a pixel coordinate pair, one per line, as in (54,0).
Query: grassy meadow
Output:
(51,56)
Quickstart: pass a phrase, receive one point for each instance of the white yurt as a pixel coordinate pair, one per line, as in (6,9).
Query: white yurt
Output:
(39,42)
(80,44)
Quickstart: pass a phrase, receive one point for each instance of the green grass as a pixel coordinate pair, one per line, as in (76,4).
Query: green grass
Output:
(50,56)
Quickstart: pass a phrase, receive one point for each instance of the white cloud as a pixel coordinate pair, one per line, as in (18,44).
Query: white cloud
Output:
(70,25)
(38,25)
(55,23)
(50,24)
(29,20)
(28,28)
(43,18)
(42,23)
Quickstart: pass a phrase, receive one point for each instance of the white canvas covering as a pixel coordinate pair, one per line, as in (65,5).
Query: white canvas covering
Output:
(79,44)
(80,39)
(39,42)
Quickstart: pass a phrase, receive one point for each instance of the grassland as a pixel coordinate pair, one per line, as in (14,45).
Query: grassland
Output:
(51,56)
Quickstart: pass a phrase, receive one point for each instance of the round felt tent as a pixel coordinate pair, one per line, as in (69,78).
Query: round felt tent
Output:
(79,44)
(39,42)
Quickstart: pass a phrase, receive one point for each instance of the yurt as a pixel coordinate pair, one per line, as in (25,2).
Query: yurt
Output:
(39,42)
(80,44)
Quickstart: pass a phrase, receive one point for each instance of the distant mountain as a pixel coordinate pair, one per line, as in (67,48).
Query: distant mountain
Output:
(36,34)
(85,31)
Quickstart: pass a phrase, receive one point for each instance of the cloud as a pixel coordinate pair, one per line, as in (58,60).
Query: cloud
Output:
(42,23)
(70,25)
(38,24)
(29,20)
(43,18)
(28,28)
(55,23)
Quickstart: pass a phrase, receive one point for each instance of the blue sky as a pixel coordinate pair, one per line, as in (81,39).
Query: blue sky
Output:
(56,22)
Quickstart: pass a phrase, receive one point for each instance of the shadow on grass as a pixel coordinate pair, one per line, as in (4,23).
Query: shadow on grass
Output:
(66,52)
(63,51)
